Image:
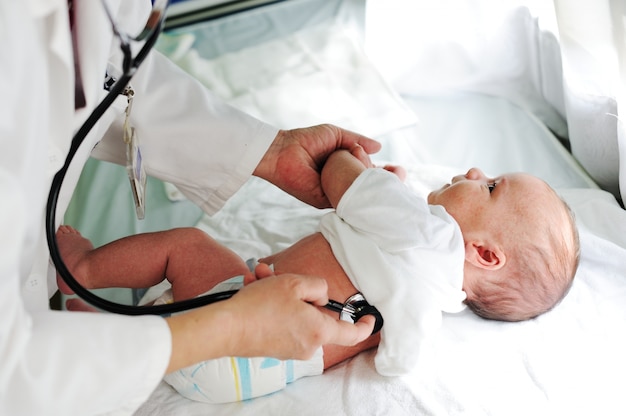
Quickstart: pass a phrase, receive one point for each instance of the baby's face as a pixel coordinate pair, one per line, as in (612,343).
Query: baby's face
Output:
(506,203)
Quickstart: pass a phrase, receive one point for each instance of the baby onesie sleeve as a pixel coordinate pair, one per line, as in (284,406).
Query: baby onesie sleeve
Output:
(378,205)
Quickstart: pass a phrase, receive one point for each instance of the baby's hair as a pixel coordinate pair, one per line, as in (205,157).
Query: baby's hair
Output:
(538,279)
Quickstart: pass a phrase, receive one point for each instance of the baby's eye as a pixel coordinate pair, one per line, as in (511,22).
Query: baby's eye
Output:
(491,186)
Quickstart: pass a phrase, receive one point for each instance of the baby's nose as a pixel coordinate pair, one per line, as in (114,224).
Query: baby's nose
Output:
(474,174)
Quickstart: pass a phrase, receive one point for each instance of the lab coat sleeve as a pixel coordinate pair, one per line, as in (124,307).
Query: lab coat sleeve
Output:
(64,365)
(60,363)
(51,362)
(189,136)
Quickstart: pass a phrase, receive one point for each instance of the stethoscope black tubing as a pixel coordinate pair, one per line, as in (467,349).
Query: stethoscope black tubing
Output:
(62,269)
(115,90)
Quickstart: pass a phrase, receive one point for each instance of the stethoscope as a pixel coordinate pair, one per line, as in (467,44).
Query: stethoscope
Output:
(352,310)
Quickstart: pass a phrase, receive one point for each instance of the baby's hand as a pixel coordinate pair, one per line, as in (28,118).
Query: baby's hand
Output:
(399,171)
(358,152)
(261,271)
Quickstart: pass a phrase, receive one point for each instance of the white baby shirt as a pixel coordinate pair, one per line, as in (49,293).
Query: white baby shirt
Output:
(405,256)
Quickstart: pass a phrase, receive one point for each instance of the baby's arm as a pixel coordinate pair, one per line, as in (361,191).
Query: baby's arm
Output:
(343,167)
(340,170)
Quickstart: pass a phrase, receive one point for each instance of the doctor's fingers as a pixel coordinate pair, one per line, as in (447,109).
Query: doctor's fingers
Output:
(321,140)
(279,316)
(301,338)
(287,287)
(348,139)
(347,334)
(358,152)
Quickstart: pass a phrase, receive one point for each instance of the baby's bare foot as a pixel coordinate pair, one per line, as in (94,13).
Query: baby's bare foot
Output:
(73,248)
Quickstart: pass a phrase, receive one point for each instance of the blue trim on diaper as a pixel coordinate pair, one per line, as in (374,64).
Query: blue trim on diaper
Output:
(269,363)
(252,263)
(289,371)
(244,377)
(198,390)
(196,369)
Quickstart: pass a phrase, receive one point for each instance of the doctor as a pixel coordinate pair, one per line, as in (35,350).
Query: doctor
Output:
(76,363)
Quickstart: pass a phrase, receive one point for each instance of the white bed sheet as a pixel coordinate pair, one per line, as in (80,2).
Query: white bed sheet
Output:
(568,361)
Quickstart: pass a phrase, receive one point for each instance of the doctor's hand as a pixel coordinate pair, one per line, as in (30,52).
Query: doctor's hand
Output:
(275,316)
(287,322)
(294,160)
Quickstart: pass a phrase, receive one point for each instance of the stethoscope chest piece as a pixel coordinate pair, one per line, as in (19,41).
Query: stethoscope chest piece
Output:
(356,307)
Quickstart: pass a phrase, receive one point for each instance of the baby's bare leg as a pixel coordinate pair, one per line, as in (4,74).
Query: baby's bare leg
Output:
(191,260)
(198,263)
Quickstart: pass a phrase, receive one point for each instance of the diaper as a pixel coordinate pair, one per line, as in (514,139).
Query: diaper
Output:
(234,283)
(231,379)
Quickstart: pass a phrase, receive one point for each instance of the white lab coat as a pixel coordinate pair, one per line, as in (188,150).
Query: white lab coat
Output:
(61,363)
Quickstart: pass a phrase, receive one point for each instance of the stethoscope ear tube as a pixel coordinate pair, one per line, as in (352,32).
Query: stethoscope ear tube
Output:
(62,269)
(114,91)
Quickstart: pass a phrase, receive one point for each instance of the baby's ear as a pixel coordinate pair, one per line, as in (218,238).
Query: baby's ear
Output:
(484,256)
